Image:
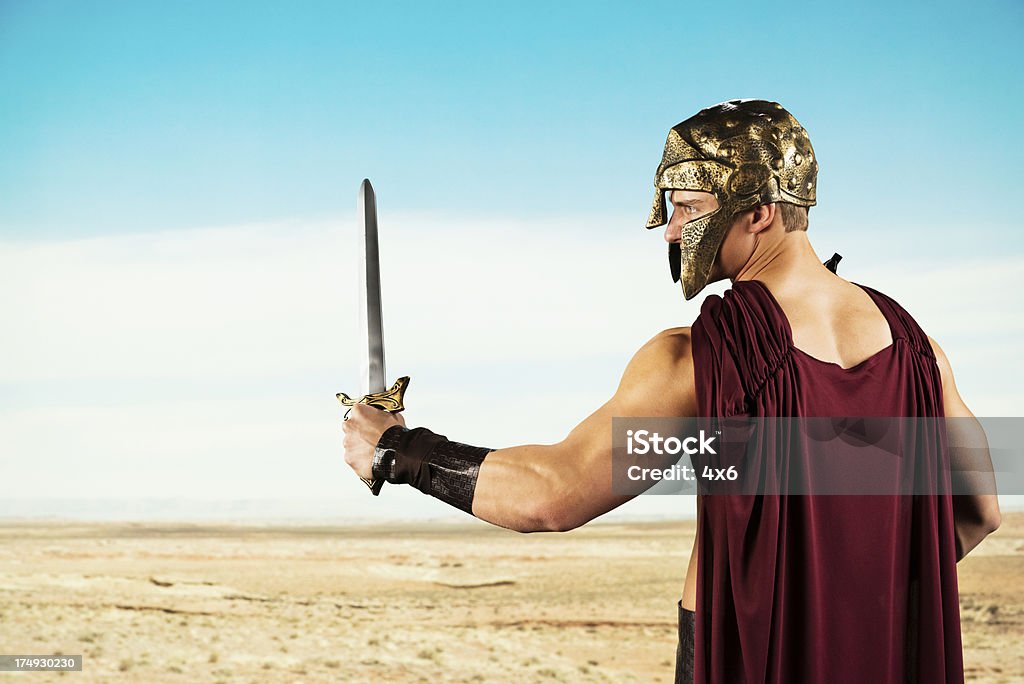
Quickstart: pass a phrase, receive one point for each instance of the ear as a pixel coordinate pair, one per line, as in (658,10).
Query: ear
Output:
(762,217)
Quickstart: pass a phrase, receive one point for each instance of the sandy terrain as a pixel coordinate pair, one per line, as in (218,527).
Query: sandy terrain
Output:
(451,603)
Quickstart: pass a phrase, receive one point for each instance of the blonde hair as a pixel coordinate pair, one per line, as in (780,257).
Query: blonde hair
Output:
(794,217)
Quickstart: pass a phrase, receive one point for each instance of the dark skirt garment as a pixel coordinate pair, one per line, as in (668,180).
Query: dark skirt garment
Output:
(819,588)
(684,651)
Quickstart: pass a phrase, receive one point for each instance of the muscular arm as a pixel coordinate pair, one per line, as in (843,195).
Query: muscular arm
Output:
(561,486)
(975,516)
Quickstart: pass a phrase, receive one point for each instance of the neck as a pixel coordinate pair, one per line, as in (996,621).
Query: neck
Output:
(790,260)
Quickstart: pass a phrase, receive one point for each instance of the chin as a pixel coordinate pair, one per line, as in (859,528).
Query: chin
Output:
(717,274)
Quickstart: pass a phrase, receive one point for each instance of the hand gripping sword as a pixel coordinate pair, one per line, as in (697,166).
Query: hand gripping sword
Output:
(371,324)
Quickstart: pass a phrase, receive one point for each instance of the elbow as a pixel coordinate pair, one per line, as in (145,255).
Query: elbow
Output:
(978,514)
(991,518)
(551,505)
(551,516)
(560,522)
(565,506)
(992,521)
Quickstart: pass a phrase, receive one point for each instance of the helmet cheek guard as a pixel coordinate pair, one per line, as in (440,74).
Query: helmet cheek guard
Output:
(699,244)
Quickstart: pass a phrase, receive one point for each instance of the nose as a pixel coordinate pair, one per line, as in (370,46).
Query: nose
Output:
(673,230)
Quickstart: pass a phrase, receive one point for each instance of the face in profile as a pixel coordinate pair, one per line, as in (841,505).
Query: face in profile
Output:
(689,205)
(736,247)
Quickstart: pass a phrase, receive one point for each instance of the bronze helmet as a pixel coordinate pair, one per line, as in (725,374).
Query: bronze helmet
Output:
(746,153)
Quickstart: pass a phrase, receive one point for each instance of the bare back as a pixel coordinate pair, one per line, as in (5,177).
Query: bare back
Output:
(833,321)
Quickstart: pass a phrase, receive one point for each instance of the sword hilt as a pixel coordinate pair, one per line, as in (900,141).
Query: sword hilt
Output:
(390,400)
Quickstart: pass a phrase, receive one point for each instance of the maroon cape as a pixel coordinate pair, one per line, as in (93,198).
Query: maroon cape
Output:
(850,588)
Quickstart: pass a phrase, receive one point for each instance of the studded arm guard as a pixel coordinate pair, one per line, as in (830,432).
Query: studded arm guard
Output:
(431,463)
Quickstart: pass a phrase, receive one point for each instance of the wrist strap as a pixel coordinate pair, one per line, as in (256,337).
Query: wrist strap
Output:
(431,463)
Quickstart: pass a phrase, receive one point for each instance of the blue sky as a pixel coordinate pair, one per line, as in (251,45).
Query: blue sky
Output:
(136,116)
(177,195)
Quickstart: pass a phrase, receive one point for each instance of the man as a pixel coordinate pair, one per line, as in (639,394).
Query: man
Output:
(772,592)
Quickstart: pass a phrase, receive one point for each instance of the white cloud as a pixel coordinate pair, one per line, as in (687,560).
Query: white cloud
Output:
(264,299)
(202,363)
(222,301)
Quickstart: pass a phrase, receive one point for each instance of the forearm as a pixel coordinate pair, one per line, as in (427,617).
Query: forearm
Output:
(521,488)
(513,488)
(532,488)
(546,488)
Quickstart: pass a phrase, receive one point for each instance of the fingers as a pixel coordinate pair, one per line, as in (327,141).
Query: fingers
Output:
(363,429)
(349,445)
(365,410)
(357,416)
(365,414)
(369,422)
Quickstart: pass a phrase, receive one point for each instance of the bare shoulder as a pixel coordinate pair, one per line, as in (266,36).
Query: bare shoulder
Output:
(953,403)
(660,374)
(940,358)
(671,346)
(676,335)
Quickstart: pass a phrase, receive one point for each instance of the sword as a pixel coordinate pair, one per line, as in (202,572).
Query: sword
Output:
(371,324)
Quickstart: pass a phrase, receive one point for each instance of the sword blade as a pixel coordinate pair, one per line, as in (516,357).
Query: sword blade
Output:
(371,321)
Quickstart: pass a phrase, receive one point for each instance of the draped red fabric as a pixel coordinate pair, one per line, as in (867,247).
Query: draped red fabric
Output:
(820,588)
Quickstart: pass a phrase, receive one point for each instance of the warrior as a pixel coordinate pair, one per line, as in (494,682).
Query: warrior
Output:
(783,588)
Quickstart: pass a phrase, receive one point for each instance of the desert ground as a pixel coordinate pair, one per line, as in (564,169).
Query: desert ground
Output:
(415,603)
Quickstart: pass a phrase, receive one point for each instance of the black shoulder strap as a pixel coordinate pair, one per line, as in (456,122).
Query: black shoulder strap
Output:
(833,262)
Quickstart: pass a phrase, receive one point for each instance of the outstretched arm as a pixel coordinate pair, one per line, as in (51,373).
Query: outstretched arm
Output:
(560,486)
(975,516)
